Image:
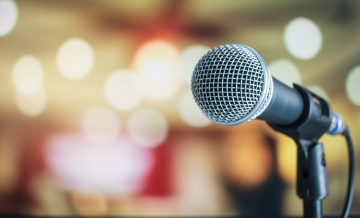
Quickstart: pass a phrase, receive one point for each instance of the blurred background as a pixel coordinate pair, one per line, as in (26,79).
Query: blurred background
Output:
(97,115)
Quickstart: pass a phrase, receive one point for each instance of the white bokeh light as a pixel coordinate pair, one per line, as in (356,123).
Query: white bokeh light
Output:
(32,105)
(188,60)
(352,85)
(318,91)
(75,58)
(111,169)
(28,75)
(101,125)
(8,16)
(157,63)
(123,90)
(303,38)
(147,128)
(190,112)
(285,71)
(157,70)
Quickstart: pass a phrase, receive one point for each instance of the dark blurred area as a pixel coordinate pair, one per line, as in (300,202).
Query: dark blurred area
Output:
(97,115)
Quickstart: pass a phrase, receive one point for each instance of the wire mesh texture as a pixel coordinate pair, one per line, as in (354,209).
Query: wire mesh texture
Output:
(229,84)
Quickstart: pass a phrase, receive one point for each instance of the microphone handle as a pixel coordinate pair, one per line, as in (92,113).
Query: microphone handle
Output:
(285,107)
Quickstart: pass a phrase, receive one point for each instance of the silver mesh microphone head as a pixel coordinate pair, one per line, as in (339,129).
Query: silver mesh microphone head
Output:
(232,84)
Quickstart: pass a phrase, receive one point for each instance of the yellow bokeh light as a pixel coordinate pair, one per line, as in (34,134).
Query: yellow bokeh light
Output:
(287,157)
(248,159)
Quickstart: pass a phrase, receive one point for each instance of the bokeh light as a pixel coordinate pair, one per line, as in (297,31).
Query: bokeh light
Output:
(158,70)
(8,16)
(75,58)
(190,112)
(27,75)
(188,60)
(147,128)
(32,105)
(285,71)
(157,63)
(318,90)
(101,125)
(287,157)
(111,169)
(123,90)
(352,85)
(303,38)
(248,159)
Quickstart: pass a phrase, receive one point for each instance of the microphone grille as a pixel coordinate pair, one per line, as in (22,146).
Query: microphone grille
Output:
(231,84)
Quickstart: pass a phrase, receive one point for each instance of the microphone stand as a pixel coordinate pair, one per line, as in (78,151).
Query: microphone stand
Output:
(311,183)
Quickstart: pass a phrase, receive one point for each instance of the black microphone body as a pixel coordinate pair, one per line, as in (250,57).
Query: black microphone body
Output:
(285,107)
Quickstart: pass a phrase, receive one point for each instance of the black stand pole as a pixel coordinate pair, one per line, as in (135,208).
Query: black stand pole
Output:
(312,208)
(311,183)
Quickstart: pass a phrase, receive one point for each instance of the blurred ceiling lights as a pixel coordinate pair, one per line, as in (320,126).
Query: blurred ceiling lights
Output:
(157,67)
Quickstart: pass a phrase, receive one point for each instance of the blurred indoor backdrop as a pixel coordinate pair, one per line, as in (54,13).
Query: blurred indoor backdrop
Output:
(97,115)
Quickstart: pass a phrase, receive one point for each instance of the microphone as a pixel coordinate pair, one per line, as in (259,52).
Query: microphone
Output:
(232,85)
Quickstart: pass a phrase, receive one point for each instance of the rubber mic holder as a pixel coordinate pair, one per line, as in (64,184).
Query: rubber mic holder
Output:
(315,120)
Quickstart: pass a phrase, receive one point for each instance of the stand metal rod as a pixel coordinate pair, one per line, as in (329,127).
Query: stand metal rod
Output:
(313,209)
